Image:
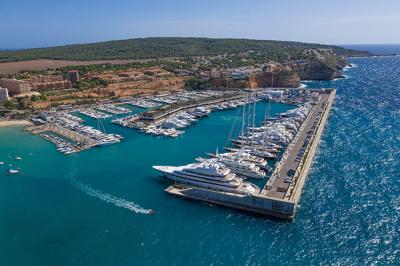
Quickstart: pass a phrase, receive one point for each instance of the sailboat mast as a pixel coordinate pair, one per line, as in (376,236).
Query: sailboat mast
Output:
(243,112)
(254,110)
(267,114)
(249,115)
(254,117)
(100,125)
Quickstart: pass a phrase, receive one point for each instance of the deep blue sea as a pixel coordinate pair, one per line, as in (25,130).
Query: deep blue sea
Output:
(90,208)
(376,49)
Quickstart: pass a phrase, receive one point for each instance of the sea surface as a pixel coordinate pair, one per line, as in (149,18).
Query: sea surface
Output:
(92,208)
(376,49)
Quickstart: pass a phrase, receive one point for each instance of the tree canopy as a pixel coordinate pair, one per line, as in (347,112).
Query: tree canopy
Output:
(158,47)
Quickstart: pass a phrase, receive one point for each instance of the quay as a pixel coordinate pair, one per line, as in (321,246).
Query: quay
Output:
(279,198)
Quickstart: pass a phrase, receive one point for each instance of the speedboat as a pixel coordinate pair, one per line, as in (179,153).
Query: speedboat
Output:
(12,172)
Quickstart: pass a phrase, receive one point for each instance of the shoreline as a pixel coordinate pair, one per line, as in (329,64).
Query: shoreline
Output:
(11,123)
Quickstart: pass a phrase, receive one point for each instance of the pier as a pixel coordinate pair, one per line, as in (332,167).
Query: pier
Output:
(157,114)
(84,141)
(279,198)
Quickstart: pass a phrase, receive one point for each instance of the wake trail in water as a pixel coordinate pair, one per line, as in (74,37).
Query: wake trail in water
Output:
(119,202)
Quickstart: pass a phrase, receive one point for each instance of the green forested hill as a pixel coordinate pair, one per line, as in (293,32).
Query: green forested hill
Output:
(147,48)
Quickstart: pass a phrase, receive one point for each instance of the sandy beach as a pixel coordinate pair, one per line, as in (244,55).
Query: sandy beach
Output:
(8,123)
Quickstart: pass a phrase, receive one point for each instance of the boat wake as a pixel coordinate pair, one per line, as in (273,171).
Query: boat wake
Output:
(119,202)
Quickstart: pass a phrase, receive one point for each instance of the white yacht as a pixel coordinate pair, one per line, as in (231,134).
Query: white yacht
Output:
(259,161)
(241,167)
(247,157)
(207,174)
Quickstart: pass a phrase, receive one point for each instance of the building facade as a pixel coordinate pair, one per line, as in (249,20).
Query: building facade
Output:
(51,85)
(15,86)
(49,82)
(74,76)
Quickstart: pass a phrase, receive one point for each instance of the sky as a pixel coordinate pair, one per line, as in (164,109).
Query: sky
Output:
(42,23)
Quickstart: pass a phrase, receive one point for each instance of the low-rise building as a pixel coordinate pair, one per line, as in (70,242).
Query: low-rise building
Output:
(51,85)
(73,76)
(15,86)
(49,82)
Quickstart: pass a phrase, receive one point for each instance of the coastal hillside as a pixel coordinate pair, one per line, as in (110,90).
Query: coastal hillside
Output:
(149,48)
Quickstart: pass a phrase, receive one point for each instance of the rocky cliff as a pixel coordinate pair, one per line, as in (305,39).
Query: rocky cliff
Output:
(321,65)
(316,65)
(282,78)
(318,71)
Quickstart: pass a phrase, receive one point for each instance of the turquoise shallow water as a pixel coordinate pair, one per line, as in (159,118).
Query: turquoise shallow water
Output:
(79,209)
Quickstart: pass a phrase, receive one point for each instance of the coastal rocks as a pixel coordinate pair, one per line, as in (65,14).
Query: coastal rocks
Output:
(323,66)
(319,71)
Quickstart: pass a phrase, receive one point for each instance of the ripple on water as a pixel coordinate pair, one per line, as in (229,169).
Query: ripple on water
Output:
(350,205)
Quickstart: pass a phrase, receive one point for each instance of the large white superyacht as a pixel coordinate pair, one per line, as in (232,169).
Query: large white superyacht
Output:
(207,174)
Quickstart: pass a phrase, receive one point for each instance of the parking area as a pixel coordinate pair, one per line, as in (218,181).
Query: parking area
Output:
(280,183)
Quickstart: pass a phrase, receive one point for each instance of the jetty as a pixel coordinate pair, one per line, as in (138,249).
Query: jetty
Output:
(155,115)
(84,141)
(180,110)
(69,134)
(280,196)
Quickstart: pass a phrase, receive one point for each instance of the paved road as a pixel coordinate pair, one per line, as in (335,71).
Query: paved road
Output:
(279,187)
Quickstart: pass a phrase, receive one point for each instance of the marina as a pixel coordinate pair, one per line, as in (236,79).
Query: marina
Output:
(94,113)
(278,150)
(113,109)
(171,119)
(280,196)
(164,115)
(144,103)
(200,133)
(62,145)
(70,135)
(345,177)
